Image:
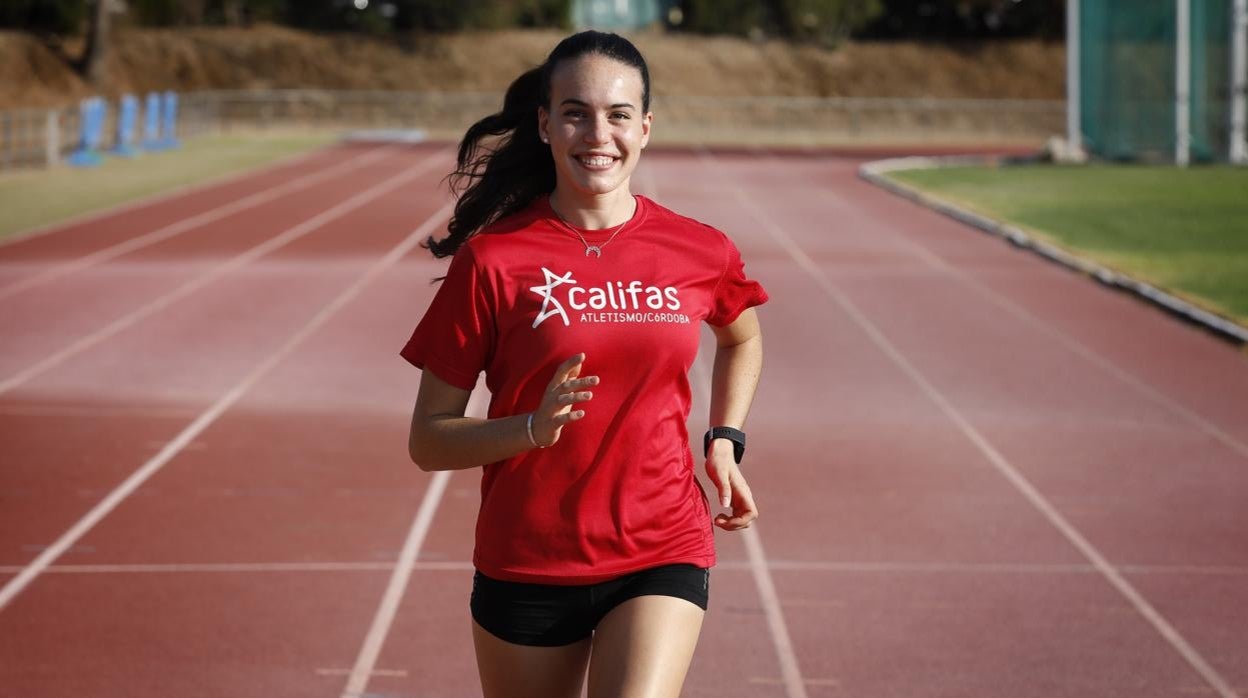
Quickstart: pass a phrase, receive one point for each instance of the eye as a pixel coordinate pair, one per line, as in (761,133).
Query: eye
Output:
(574,113)
(620,115)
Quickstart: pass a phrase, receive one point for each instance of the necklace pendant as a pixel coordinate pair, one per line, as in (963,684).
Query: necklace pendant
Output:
(595,249)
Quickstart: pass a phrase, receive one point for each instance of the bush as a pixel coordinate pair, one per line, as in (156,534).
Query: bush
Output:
(43,16)
(822,21)
(444,16)
(737,17)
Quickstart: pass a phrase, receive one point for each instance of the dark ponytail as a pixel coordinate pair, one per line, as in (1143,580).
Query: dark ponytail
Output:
(497,178)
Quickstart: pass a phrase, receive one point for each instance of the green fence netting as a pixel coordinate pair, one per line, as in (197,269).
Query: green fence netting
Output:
(1127,62)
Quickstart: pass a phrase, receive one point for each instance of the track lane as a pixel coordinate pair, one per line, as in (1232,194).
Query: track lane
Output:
(1144,349)
(933,340)
(186,360)
(431,639)
(1051,628)
(93,304)
(31,260)
(190,635)
(173,202)
(260,675)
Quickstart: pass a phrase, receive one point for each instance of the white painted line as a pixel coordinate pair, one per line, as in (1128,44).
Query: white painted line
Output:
(795,686)
(185,189)
(397,673)
(390,601)
(943,567)
(181,226)
(93,411)
(1003,466)
(1072,344)
(367,659)
(777,681)
(745,566)
(79,529)
(241,567)
(238,261)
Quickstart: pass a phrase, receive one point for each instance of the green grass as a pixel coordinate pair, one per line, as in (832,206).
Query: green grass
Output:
(34,198)
(1182,230)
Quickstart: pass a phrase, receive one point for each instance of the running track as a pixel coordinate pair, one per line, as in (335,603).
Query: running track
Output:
(979,474)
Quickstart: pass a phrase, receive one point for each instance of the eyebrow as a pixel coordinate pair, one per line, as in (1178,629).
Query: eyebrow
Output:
(579,103)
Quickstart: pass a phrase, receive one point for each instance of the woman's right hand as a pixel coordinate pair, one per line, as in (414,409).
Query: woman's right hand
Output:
(564,391)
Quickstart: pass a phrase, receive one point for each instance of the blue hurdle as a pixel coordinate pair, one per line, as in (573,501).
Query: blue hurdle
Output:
(169,128)
(92,112)
(151,122)
(127,115)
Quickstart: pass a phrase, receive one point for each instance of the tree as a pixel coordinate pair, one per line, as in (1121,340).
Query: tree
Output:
(968,19)
(96,54)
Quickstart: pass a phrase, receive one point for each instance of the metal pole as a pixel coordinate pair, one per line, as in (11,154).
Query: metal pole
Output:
(52,138)
(1239,83)
(1183,84)
(6,158)
(1074,131)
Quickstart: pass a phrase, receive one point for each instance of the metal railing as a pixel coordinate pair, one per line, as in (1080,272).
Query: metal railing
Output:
(45,137)
(32,138)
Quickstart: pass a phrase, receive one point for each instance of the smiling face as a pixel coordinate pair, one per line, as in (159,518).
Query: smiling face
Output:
(596,125)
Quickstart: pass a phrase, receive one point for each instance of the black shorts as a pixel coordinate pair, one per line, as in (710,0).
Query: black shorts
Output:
(550,615)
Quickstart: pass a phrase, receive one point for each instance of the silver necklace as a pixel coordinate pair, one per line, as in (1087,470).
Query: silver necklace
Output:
(595,249)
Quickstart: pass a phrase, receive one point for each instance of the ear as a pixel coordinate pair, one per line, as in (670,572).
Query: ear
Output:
(645,128)
(543,124)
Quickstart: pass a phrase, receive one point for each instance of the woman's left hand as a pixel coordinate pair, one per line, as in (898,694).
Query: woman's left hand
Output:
(734,491)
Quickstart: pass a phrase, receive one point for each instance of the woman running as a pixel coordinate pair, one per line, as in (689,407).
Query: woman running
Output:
(581,302)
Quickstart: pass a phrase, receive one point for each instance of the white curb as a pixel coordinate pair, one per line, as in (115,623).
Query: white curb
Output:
(875,172)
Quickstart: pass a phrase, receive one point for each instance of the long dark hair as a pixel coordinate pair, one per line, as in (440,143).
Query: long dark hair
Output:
(495,178)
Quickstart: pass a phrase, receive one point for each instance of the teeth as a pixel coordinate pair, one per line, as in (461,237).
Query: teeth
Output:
(600,161)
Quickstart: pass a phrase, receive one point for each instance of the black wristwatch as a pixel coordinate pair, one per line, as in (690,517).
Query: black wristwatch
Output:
(736,436)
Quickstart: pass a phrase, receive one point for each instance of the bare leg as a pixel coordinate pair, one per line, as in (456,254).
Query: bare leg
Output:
(643,647)
(519,671)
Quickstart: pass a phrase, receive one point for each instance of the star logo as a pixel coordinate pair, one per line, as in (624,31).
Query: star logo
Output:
(548,300)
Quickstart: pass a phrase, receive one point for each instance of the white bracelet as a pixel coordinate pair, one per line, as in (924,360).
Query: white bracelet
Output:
(529,427)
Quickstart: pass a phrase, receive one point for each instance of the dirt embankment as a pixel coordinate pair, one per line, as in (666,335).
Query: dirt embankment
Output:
(33,74)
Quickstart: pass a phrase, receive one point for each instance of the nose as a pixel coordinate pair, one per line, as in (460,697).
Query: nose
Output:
(599,132)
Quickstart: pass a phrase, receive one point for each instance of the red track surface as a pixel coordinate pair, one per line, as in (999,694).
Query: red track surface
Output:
(979,474)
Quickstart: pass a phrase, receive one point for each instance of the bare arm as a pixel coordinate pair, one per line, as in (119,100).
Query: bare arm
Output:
(442,438)
(738,364)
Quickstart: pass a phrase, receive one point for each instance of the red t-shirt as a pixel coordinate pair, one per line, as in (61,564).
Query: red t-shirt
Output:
(617,493)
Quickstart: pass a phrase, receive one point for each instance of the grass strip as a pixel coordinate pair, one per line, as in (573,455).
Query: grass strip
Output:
(1182,230)
(35,198)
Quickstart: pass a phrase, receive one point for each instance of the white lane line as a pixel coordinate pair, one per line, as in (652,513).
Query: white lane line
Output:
(795,686)
(357,684)
(289,235)
(396,673)
(1072,344)
(788,565)
(93,411)
(79,529)
(244,567)
(1003,466)
(183,190)
(199,219)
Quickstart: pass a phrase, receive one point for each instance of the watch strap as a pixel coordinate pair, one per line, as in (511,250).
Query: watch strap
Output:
(736,436)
